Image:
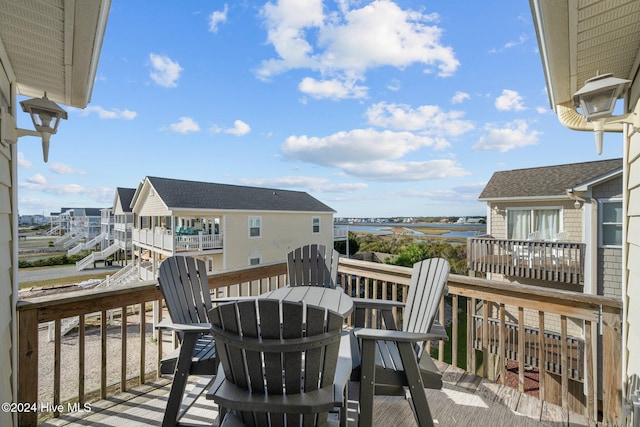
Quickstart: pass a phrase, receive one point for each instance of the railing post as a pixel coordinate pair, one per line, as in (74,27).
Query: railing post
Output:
(28,365)
(612,369)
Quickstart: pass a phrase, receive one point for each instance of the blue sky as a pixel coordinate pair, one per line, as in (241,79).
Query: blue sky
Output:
(377,108)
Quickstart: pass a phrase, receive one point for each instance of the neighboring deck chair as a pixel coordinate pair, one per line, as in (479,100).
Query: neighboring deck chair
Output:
(185,287)
(391,361)
(276,372)
(313,265)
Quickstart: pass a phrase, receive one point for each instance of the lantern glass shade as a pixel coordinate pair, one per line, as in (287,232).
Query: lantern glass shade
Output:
(598,96)
(44,113)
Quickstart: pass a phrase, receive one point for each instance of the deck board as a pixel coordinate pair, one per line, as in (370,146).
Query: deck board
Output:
(465,400)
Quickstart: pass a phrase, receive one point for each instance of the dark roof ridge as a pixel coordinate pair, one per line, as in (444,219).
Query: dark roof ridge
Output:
(182,193)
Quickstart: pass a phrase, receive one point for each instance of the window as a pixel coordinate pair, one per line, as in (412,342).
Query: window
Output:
(255,226)
(521,222)
(611,223)
(315,227)
(254,261)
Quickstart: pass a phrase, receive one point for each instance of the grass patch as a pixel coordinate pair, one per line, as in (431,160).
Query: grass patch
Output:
(462,341)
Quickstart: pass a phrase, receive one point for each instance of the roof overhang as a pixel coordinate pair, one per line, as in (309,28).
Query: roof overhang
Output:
(580,39)
(53,46)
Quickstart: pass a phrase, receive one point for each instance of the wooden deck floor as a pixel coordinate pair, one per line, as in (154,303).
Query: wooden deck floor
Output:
(465,400)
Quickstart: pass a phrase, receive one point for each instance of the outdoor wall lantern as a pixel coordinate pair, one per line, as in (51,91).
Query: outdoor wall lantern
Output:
(597,100)
(46,116)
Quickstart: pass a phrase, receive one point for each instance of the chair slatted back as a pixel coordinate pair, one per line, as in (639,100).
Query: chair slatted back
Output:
(428,282)
(313,265)
(261,352)
(184,284)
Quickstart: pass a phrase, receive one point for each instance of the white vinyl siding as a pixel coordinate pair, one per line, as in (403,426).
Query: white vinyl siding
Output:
(7,285)
(631,289)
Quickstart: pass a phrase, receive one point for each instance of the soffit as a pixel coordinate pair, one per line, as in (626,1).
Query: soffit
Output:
(581,38)
(54,46)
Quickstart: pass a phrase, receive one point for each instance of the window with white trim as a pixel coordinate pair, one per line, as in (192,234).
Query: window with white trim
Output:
(610,223)
(255,226)
(315,225)
(523,221)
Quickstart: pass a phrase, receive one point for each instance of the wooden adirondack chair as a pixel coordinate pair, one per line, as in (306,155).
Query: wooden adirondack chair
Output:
(390,361)
(185,287)
(313,265)
(276,372)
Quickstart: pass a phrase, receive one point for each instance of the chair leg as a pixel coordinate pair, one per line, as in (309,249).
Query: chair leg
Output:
(179,379)
(367,382)
(416,387)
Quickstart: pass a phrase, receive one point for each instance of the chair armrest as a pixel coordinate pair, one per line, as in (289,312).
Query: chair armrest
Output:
(365,307)
(182,327)
(397,336)
(377,304)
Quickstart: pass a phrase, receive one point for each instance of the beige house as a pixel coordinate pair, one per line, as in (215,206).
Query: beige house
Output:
(579,40)
(44,46)
(228,226)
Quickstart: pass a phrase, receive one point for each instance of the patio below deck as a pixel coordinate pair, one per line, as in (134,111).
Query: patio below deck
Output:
(465,400)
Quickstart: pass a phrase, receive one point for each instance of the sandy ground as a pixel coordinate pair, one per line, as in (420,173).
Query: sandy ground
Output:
(69,356)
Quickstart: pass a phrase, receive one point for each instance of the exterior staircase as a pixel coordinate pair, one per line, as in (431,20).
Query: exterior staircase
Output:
(96,256)
(88,245)
(53,230)
(75,239)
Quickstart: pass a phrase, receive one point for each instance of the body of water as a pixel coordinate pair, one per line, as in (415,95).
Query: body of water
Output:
(478,229)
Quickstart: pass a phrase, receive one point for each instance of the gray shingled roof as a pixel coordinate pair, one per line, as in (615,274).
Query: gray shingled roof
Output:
(126,196)
(184,194)
(546,181)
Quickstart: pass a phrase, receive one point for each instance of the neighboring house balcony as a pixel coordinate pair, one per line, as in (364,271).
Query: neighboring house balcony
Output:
(340,234)
(162,240)
(554,261)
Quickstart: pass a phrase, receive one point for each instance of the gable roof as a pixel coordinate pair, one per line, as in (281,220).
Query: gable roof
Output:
(548,181)
(183,194)
(126,196)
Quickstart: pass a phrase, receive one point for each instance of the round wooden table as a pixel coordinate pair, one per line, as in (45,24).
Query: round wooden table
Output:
(332,299)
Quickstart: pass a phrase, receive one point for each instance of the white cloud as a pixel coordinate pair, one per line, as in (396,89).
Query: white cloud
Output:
(37,179)
(510,100)
(165,72)
(344,45)
(113,113)
(332,89)
(22,162)
(459,97)
(513,135)
(522,39)
(383,170)
(371,154)
(62,169)
(217,17)
(313,184)
(185,125)
(239,128)
(359,145)
(429,119)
